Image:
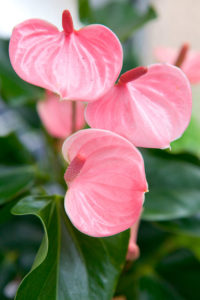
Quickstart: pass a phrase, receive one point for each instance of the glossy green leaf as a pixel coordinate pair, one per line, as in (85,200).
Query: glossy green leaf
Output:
(12,88)
(174,189)
(14,181)
(70,265)
(122,17)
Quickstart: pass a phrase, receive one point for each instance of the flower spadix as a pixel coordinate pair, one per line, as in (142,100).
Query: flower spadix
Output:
(77,65)
(151,106)
(106,182)
(59,117)
(190,64)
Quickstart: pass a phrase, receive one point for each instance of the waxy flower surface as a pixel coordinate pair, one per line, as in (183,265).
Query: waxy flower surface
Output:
(58,116)
(190,64)
(106,182)
(77,65)
(150,107)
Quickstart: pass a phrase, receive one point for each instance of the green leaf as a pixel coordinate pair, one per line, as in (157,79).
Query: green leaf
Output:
(174,189)
(12,151)
(181,270)
(154,288)
(122,17)
(20,239)
(187,226)
(13,89)
(190,141)
(69,265)
(14,181)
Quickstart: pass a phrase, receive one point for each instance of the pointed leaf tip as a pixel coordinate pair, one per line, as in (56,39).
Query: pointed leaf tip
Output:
(67,22)
(132,74)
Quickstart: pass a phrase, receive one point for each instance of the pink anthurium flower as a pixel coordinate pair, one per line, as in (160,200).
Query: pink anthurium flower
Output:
(106,182)
(150,106)
(60,118)
(190,63)
(77,65)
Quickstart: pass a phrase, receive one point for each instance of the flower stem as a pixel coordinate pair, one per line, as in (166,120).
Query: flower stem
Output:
(73,120)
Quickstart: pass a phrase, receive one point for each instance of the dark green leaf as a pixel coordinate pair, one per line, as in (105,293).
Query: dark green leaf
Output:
(181,270)
(13,89)
(174,189)
(70,265)
(154,288)
(12,151)
(14,181)
(188,226)
(121,16)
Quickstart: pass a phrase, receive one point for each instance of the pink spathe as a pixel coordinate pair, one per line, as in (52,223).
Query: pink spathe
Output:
(150,111)
(106,182)
(57,115)
(77,65)
(191,63)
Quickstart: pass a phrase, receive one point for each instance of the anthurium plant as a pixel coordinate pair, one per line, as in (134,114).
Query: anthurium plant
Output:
(94,204)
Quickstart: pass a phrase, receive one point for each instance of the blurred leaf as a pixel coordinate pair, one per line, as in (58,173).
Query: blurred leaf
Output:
(188,226)
(122,17)
(174,189)
(154,288)
(12,88)
(69,264)
(190,141)
(181,270)
(12,151)
(14,181)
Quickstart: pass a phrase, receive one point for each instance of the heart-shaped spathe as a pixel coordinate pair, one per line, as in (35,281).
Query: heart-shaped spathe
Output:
(106,182)
(77,65)
(150,107)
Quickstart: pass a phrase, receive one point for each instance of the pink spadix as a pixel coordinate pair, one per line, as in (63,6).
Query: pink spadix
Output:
(67,22)
(106,182)
(188,60)
(58,117)
(77,65)
(150,107)
(74,168)
(132,75)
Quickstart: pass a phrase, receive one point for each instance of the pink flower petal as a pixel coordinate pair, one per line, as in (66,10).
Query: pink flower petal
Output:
(191,65)
(77,65)
(106,181)
(57,116)
(150,111)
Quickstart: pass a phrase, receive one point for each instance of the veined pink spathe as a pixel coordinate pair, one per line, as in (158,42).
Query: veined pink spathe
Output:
(150,107)
(77,65)
(106,182)
(57,115)
(190,65)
